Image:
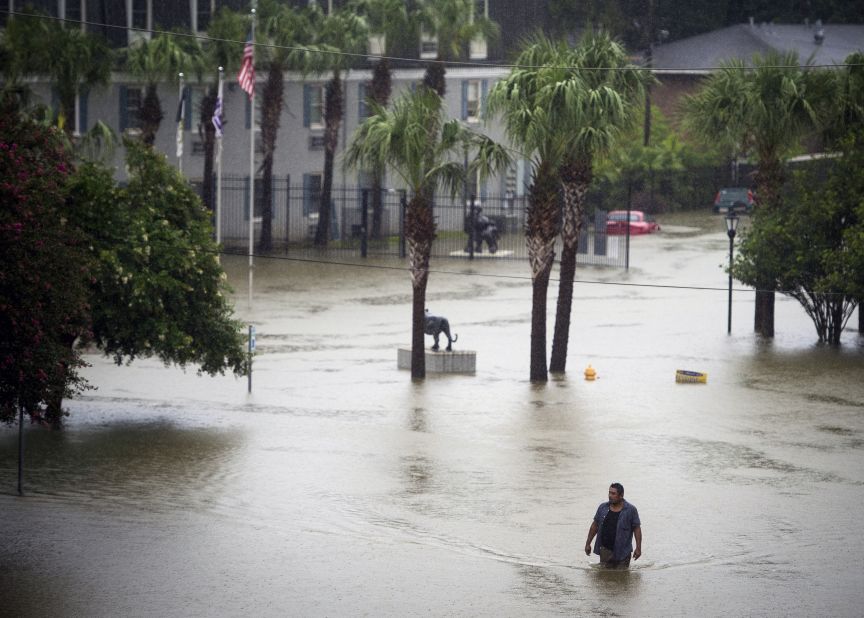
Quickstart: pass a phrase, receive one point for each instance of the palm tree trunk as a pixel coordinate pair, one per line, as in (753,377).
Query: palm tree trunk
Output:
(271,110)
(332,120)
(207,132)
(576,178)
(435,77)
(151,115)
(541,230)
(419,232)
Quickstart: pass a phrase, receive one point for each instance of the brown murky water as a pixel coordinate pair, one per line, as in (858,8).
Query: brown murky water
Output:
(338,487)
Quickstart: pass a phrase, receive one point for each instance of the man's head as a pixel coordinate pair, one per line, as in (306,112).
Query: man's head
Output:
(616,493)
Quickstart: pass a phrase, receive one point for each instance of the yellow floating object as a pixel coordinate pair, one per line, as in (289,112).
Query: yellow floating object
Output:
(590,373)
(693,377)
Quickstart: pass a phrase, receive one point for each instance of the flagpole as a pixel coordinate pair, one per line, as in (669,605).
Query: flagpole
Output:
(219,170)
(251,167)
(180,126)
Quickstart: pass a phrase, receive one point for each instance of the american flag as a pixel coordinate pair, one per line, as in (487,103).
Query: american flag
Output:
(217,112)
(247,70)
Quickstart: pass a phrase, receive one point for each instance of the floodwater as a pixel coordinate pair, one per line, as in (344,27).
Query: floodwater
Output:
(339,487)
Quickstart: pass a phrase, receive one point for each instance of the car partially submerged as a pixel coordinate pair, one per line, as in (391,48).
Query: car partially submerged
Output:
(739,199)
(639,223)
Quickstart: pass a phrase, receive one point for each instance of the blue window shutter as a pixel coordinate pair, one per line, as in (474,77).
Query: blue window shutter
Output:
(187,98)
(248,113)
(362,107)
(307,105)
(82,109)
(483,192)
(246,198)
(484,91)
(124,108)
(464,99)
(307,194)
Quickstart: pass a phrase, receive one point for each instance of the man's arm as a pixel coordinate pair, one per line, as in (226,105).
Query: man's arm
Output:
(637,533)
(592,532)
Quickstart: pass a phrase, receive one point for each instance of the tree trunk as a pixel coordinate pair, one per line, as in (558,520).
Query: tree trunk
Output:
(435,77)
(420,232)
(271,110)
(332,120)
(207,133)
(576,178)
(540,230)
(151,115)
(769,182)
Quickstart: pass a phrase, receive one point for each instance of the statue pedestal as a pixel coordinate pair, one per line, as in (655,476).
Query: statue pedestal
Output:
(458,361)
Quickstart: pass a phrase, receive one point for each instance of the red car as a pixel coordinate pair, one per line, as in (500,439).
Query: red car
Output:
(640,223)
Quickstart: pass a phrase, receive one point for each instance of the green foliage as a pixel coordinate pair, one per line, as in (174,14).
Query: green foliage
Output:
(43,270)
(813,250)
(159,289)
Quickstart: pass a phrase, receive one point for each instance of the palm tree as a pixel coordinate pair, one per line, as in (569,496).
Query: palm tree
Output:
(531,127)
(417,142)
(455,25)
(159,59)
(284,30)
(766,111)
(387,19)
(220,49)
(342,35)
(592,95)
(74,61)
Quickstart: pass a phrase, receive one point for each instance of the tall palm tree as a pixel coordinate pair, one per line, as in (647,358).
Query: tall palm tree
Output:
(765,111)
(593,95)
(220,49)
(156,60)
(454,24)
(387,19)
(342,35)
(531,127)
(284,30)
(417,142)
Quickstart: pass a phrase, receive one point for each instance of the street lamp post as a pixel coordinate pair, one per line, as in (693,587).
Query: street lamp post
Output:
(731,227)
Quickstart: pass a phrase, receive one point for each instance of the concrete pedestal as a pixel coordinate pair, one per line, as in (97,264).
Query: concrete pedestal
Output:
(458,361)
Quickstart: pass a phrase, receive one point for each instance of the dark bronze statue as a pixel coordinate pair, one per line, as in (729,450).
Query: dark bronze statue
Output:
(484,230)
(435,325)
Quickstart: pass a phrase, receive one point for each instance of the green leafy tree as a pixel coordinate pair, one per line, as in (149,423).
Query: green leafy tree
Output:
(814,247)
(43,268)
(455,23)
(420,145)
(531,128)
(158,288)
(389,20)
(592,96)
(764,111)
(156,60)
(341,36)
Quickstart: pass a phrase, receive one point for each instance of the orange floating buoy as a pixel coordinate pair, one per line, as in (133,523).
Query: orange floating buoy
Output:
(590,373)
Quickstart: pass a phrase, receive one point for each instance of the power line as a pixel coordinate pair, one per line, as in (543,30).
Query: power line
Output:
(420,61)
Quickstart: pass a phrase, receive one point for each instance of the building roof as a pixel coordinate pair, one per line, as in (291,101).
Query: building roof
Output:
(705,52)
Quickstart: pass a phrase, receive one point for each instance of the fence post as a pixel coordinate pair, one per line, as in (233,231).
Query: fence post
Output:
(403,204)
(364,222)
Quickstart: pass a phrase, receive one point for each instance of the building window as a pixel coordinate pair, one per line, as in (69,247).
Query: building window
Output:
(131,98)
(139,14)
(73,9)
(203,12)
(313,106)
(473,94)
(428,46)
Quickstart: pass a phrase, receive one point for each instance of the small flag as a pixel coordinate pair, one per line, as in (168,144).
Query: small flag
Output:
(181,120)
(217,113)
(246,78)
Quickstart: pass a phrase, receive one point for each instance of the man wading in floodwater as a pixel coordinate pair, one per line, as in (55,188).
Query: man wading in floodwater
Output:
(617,521)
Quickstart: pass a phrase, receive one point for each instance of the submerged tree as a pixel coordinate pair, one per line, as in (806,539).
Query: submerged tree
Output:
(417,142)
(764,111)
